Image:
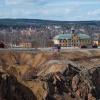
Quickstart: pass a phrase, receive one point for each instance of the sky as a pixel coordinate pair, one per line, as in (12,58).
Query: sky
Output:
(62,10)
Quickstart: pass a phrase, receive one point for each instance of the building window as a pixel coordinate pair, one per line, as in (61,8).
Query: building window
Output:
(64,41)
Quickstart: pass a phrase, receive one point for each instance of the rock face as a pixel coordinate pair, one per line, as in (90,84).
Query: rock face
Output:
(72,83)
(95,72)
(11,89)
(46,76)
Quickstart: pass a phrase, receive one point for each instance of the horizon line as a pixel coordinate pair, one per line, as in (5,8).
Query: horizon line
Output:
(45,19)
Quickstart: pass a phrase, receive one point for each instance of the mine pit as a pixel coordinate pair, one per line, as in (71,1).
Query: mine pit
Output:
(50,76)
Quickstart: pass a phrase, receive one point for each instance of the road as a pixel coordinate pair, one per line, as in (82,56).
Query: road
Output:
(45,49)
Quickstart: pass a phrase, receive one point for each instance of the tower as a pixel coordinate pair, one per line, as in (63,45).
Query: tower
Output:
(73,30)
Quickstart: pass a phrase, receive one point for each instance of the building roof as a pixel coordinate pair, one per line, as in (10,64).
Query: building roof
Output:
(62,36)
(68,36)
(84,36)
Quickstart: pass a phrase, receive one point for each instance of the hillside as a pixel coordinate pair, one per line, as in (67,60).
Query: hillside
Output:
(26,22)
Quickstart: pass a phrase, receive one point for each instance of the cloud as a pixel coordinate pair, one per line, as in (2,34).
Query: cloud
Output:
(17,2)
(51,9)
(12,2)
(96,12)
(55,11)
(15,13)
(80,2)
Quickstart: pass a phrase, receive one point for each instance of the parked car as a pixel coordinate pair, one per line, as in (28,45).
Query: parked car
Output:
(83,46)
(2,45)
(94,46)
(57,47)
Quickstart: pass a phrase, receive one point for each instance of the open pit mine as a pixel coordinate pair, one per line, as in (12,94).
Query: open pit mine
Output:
(73,75)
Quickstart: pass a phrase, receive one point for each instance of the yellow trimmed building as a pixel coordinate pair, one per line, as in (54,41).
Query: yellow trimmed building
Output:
(72,39)
(26,45)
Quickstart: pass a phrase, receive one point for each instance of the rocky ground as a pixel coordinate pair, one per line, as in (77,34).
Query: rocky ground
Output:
(73,75)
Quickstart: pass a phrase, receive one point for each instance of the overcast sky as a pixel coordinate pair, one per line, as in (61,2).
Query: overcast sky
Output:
(64,10)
